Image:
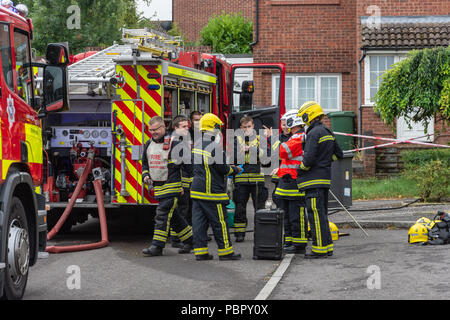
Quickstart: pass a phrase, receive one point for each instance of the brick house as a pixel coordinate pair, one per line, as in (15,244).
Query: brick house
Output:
(334,50)
(192,16)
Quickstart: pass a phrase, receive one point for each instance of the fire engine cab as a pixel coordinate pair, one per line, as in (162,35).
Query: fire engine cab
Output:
(113,95)
(23,226)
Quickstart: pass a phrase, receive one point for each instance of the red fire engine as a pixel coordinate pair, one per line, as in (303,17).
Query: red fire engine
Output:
(113,95)
(23,226)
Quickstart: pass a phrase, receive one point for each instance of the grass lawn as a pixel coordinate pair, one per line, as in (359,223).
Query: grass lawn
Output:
(388,188)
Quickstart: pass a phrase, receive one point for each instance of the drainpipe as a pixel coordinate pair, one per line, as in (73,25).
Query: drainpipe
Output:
(256,25)
(360,97)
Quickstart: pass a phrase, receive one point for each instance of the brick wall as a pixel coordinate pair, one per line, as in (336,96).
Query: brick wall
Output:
(193,15)
(310,38)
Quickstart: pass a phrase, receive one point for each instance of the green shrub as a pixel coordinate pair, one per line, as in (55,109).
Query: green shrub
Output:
(432,178)
(414,158)
(228,34)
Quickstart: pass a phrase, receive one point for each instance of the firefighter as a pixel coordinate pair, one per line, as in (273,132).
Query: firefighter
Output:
(320,149)
(251,181)
(195,117)
(274,146)
(180,126)
(162,169)
(287,193)
(208,191)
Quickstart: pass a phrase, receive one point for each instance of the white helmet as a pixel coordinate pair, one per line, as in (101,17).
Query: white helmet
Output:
(292,119)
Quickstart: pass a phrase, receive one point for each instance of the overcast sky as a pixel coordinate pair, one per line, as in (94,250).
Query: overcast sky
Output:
(163,9)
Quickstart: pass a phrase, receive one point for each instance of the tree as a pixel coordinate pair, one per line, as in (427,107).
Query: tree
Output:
(228,34)
(82,23)
(417,88)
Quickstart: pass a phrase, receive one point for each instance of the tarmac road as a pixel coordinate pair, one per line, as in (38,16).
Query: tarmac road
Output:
(381,266)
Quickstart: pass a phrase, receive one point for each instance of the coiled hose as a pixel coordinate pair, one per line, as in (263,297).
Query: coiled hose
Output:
(101,213)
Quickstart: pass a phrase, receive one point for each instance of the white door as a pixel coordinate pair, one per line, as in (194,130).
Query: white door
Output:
(417,130)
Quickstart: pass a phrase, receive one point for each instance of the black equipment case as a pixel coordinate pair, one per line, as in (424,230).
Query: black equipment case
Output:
(268,234)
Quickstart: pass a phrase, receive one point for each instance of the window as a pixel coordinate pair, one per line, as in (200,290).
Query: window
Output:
(288,95)
(323,88)
(375,66)
(5,47)
(23,67)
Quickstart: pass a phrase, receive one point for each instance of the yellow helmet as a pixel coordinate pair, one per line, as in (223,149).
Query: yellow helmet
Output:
(423,220)
(334,231)
(209,122)
(418,233)
(309,111)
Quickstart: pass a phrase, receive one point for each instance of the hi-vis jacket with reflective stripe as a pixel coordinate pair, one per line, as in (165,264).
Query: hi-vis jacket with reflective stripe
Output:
(320,149)
(291,155)
(209,175)
(274,147)
(172,186)
(252,167)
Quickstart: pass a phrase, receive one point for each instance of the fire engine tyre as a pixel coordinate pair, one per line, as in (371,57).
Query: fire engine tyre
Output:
(18,252)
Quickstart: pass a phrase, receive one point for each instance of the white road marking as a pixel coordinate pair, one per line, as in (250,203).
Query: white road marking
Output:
(276,277)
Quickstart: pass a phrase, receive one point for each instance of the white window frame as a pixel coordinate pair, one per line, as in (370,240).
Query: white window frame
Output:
(402,131)
(317,77)
(398,55)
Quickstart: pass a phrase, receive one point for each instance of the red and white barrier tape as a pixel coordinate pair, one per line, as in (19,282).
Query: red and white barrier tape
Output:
(393,141)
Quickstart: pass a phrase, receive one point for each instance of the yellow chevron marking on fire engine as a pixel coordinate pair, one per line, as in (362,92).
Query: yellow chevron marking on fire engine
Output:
(131,81)
(129,188)
(133,172)
(155,105)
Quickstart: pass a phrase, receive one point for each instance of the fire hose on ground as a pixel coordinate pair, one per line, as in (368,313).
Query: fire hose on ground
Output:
(101,213)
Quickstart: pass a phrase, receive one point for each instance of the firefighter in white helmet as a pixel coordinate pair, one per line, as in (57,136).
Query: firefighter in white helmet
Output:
(287,193)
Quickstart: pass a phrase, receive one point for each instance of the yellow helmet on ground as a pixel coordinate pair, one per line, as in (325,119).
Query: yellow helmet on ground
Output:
(423,220)
(418,233)
(309,111)
(210,122)
(334,231)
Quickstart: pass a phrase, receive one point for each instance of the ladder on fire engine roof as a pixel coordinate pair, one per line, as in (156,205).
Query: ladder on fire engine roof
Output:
(155,42)
(99,67)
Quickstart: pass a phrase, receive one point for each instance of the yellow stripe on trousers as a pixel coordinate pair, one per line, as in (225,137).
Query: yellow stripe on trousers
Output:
(224,226)
(316,222)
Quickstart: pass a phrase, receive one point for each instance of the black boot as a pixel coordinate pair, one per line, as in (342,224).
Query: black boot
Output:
(186,248)
(176,243)
(240,237)
(204,257)
(231,256)
(153,251)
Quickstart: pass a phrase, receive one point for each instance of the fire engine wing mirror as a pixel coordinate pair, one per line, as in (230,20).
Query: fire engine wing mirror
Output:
(57,54)
(55,89)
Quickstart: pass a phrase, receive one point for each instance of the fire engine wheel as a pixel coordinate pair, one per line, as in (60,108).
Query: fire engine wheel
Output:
(18,252)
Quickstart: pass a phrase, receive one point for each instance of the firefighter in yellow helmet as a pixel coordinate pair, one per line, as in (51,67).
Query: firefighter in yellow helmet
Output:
(208,191)
(320,149)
